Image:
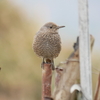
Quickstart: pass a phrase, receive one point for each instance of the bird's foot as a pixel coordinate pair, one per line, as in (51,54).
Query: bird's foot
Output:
(52,65)
(50,62)
(42,64)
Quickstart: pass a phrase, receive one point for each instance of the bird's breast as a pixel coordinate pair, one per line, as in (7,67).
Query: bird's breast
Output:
(47,45)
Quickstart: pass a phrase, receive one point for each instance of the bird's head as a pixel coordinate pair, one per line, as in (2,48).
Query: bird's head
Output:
(51,27)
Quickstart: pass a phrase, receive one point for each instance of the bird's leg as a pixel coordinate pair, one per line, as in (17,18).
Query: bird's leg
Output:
(42,64)
(52,63)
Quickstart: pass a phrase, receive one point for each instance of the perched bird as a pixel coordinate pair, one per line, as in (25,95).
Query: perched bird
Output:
(47,42)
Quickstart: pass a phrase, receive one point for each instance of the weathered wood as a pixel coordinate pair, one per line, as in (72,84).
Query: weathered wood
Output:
(84,49)
(69,75)
(46,81)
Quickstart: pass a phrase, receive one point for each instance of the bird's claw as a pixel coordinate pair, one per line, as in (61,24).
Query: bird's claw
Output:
(52,65)
(42,65)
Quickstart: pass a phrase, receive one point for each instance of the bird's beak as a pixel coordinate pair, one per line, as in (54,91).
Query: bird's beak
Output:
(60,27)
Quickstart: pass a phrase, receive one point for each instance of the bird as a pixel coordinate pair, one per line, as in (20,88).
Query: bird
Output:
(47,43)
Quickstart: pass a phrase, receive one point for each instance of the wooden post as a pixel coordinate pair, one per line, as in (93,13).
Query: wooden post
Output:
(46,81)
(84,50)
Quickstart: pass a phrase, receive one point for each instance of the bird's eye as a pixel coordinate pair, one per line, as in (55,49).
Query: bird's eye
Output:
(50,26)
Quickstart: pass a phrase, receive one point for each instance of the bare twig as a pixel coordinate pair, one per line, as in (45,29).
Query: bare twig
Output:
(95,73)
(96,69)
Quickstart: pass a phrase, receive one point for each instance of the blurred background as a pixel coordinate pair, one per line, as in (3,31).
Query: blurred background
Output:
(20,75)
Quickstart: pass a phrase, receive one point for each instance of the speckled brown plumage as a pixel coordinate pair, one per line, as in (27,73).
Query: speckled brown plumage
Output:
(47,42)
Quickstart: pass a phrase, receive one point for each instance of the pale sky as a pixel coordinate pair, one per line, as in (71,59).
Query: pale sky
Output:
(62,12)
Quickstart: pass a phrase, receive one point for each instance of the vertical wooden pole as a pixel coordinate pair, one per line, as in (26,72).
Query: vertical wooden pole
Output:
(84,49)
(46,81)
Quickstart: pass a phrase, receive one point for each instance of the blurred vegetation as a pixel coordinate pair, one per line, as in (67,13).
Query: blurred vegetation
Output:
(20,75)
